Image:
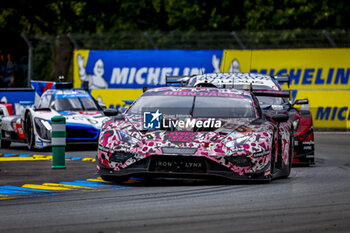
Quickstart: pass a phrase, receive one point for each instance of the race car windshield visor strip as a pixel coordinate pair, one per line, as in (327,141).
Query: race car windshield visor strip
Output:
(201,106)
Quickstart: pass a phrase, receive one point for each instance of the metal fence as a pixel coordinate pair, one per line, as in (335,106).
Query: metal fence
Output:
(214,40)
(52,54)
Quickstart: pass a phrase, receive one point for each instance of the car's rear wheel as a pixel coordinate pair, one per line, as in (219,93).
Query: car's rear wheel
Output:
(29,132)
(5,143)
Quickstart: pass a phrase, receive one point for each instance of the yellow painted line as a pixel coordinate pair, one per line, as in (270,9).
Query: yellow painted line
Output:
(39,156)
(6,197)
(6,159)
(98,180)
(89,159)
(66,186)
(45,187)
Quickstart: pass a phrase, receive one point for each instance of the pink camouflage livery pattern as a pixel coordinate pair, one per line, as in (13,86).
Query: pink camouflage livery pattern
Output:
(259,146)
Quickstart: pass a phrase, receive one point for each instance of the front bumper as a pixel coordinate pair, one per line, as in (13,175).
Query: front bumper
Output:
(304,152)
(307,158)
(197,167)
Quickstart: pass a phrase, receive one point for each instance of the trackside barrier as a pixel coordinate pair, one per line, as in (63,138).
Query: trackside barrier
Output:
(58,142)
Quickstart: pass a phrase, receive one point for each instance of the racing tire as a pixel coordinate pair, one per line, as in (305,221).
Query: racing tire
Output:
(5,144)
(288,168)
(273,154)
(115,178)
(29,132)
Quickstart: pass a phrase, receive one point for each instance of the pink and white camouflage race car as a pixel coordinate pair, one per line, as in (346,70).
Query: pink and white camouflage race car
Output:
(195,133)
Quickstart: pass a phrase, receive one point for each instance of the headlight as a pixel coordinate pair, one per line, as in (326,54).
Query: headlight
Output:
(237,141)
(296,124)
(127,138)
(43,128)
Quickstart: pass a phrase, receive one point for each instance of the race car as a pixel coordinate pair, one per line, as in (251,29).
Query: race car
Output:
(195,133)
(83,115)
(304,146)
(302,119)
(5,109)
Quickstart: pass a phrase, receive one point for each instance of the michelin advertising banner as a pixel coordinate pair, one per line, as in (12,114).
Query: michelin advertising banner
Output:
(118,75)
(321,75)
(137,68)
(307,68)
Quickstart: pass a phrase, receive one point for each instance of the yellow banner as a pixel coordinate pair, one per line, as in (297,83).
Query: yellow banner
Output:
(307,68)
(83,57)
(329,108)
(113,98)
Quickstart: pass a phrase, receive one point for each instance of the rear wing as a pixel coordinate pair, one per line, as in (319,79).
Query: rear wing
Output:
(41,86)
(173,80)
(282,94)
(282,79)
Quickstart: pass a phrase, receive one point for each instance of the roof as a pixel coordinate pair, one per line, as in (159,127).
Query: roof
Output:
(220,79)
(66,91)
(199,89)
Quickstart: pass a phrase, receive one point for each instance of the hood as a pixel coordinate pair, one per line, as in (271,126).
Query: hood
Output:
(93,118)
(233,136)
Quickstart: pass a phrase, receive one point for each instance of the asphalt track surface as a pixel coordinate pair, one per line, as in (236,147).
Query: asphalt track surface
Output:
(313,199)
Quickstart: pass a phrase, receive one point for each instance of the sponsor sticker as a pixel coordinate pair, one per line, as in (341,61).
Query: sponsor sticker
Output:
(261,154)
(152,120)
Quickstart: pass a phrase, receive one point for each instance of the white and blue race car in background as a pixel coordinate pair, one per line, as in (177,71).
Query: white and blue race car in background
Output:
(83,114)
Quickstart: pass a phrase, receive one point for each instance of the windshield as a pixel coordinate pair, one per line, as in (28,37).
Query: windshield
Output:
(75,104)
(263,100)
(267,100)
(196,106)
(246,86)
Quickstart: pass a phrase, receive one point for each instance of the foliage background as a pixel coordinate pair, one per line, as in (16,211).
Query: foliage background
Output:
(125,24)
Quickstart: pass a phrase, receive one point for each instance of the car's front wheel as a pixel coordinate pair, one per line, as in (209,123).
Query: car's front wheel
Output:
(115,179)
(29,132)
(288,168)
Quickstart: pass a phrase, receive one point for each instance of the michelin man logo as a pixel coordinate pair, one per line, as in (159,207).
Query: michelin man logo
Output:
(234,67)
(215,61)
(96,80)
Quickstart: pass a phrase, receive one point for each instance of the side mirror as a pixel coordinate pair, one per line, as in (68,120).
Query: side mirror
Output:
(110,112)
(144,89)
(280,118)
(301,102)
(102,105)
